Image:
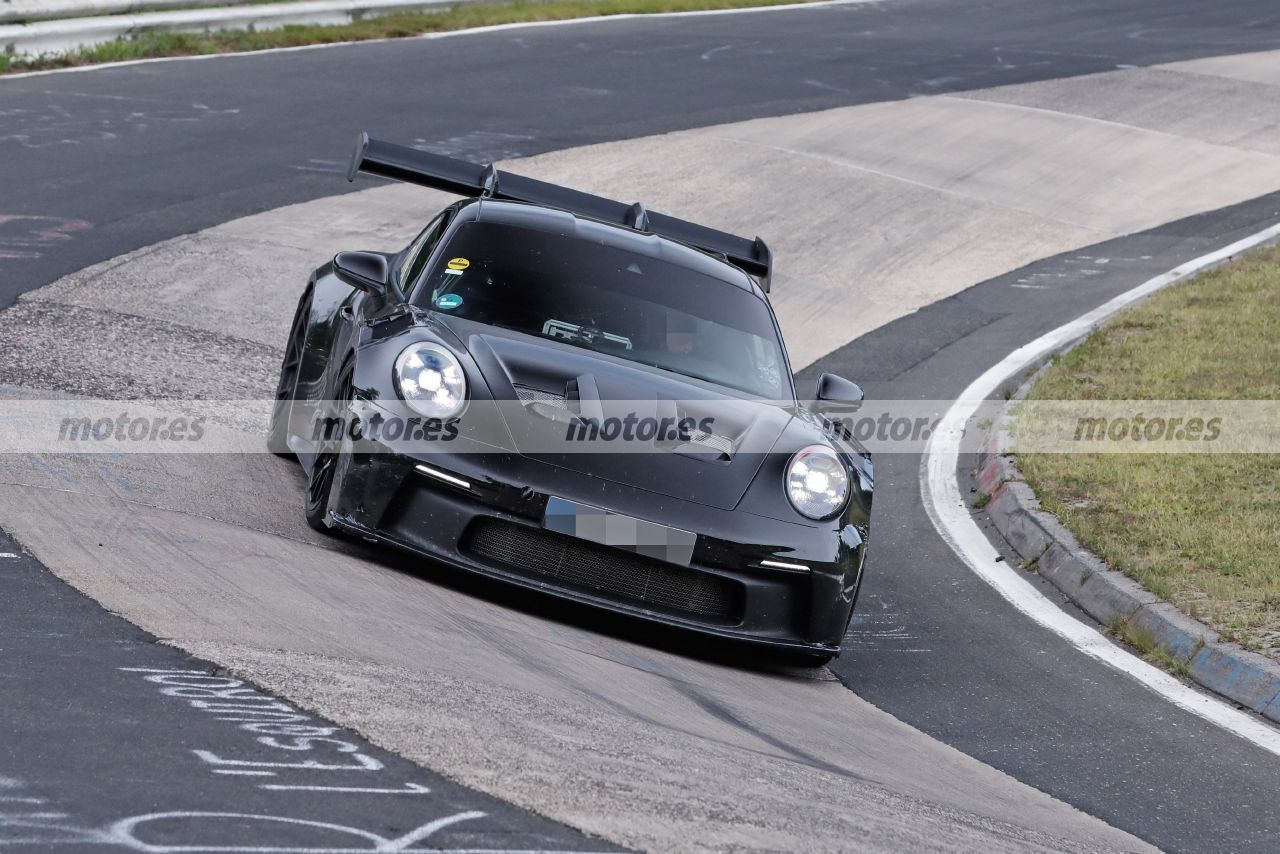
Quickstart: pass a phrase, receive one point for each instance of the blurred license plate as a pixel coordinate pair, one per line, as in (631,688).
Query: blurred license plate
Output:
(623,532)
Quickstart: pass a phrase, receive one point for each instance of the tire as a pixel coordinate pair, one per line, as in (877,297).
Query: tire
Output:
(320,483)
(286,388)
(319,486)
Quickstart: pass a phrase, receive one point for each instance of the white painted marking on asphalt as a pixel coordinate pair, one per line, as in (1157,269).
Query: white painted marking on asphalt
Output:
(361,763)
(27,237)
(124,833)
(818,84)
(409,789)
(328,167)
(940,491)
(495,28)
(204,834)
(427,829)
(273,723)
(161,670)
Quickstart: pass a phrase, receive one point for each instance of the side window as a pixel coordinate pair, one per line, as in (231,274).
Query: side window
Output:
(420,251)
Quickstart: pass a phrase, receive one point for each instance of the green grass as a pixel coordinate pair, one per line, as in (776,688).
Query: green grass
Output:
(1199,530)
(161,44)
(1151,649)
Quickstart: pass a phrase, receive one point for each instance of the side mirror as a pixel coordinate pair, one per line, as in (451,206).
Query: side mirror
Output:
(838,391)
(365,271)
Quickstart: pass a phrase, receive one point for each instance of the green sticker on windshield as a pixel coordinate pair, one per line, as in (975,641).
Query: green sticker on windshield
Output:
(448,302)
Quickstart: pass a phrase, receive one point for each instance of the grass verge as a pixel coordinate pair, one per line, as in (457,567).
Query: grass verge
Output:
(161,44)
(1198,530)
(1151,649)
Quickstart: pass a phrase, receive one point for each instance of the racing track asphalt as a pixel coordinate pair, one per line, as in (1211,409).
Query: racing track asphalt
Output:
(114,159)
(158,151)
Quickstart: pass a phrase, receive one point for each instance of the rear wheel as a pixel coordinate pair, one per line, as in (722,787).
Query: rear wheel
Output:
(320,484)
(286,388)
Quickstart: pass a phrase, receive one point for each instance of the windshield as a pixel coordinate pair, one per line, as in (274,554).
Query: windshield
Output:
(601,298)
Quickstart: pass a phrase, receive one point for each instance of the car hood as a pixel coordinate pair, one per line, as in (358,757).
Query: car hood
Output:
(545,388)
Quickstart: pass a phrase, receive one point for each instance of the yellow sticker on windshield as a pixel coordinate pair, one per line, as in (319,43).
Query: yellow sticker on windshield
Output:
(459,264)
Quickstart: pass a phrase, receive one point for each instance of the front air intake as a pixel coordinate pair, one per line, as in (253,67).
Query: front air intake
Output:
(584,565)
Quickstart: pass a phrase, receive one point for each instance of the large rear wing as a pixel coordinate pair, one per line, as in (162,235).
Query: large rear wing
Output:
(468,179)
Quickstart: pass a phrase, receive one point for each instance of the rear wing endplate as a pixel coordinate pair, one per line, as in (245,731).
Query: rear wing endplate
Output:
(469,179)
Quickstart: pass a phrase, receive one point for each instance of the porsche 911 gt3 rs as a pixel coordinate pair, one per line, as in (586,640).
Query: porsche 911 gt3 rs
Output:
(578,396)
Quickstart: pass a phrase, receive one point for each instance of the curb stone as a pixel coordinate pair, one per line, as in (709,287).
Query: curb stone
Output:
(1106,595)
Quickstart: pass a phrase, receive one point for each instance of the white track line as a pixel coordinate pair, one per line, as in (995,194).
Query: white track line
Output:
(494,28)
(940,490)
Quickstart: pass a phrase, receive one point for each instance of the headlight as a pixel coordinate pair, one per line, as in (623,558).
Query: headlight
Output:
(817,482)
(431,381)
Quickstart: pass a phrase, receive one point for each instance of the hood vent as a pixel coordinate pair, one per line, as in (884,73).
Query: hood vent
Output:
(701,443)
(560,408)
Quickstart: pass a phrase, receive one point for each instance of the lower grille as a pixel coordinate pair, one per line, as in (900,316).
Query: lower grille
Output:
(638,579)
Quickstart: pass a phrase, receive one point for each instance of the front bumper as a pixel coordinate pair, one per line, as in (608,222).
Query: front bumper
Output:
(494,526)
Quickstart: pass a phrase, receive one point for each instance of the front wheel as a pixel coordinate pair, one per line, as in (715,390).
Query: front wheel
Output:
(319,486)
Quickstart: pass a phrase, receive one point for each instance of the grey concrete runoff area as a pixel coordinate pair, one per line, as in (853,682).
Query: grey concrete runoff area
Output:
(919,240)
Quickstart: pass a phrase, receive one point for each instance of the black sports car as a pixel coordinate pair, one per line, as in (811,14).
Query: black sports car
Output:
(578,396)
